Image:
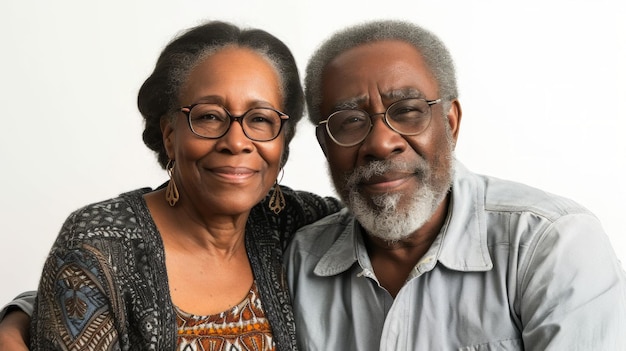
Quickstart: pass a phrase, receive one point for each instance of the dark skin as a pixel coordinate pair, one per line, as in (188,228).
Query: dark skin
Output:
(203,235)
(14,331)
(375,75)
(365,72)
(393,263)
(219,180)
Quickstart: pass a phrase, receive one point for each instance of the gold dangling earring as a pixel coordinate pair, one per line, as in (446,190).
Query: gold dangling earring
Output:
(277,199)
(171,192)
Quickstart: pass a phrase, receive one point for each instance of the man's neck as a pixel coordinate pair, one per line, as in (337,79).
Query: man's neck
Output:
(393,261)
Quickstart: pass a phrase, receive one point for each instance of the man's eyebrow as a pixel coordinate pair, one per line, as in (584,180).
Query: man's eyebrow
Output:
(350,104)
(391,95)
(400,94)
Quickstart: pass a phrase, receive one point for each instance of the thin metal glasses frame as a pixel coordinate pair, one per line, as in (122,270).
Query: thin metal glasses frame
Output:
(385,119)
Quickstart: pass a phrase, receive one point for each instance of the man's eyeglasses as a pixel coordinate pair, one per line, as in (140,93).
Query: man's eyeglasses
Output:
(407,117)
(213,121)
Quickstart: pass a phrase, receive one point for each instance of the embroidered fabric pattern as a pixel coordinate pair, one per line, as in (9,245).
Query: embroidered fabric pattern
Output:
(242,328)
(105,281)
(84,303)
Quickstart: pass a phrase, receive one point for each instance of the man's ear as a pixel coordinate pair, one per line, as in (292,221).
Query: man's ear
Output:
(454,118)
(167,129)
(320,134)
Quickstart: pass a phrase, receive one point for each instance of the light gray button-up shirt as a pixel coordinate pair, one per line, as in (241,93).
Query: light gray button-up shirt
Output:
(513,268)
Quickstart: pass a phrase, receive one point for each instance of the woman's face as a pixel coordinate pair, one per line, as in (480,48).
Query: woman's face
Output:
(231,174)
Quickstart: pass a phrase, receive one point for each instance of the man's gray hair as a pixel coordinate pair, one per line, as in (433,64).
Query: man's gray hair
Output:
(433,50)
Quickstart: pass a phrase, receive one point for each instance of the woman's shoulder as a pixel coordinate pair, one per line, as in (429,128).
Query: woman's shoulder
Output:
(123,203)
(106,218)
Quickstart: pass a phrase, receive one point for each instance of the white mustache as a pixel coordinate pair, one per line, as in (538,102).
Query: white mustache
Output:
(376,168)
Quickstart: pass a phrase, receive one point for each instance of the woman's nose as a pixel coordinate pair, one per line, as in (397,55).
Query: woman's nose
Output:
(235,140)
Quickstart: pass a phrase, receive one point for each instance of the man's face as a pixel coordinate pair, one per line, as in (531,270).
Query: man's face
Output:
(392,183)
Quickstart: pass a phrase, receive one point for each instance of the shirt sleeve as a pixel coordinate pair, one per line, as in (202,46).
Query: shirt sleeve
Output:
(24,301)
(573,289)
(76,306)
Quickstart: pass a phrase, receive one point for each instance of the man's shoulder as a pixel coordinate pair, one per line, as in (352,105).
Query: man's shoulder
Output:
(495,194)
(503,209)
(510,196)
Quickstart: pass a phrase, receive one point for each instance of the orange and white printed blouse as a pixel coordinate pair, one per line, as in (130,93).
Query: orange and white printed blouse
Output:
(241,328)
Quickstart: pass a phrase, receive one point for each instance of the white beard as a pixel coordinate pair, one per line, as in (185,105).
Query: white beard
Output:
(386,220)
(384,216)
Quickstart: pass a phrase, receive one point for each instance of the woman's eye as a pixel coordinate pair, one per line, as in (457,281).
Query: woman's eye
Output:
(262,118)
(259,119)
(207,117)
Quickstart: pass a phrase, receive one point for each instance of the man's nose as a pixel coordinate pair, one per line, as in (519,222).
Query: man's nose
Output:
(382,141)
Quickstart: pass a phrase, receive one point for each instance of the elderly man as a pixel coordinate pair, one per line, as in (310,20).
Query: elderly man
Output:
(429,256)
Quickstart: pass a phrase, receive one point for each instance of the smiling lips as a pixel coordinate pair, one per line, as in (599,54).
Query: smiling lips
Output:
(386,183)
(233,173)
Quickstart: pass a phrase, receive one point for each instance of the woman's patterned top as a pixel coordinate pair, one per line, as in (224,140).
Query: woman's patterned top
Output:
(104,285)
(241,328)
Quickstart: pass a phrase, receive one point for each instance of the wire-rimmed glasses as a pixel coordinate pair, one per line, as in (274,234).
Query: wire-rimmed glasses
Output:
(407,117)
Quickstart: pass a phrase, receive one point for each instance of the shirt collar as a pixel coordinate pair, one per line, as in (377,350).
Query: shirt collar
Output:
(343,252)
(464,236)
(461,245)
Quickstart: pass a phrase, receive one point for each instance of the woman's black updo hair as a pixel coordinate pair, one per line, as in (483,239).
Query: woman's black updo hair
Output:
(158,96)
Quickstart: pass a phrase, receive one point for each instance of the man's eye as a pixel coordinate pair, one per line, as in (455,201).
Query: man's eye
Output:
(353,119)
(405,110)
(351,122)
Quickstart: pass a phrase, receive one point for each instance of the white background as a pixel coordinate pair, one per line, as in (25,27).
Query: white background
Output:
(542,87)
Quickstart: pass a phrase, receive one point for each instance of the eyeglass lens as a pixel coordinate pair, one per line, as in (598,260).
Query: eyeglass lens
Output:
(212,121)
(407,117)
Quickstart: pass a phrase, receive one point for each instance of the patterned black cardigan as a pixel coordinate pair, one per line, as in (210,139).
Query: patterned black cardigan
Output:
(104,284)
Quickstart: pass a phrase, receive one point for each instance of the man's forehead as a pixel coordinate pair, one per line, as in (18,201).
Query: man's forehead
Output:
(386,96)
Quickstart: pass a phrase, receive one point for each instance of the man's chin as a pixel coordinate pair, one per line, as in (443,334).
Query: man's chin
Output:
(391,239)
(395,216)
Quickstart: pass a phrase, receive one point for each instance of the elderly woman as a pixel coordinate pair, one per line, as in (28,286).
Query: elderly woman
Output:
(196,263)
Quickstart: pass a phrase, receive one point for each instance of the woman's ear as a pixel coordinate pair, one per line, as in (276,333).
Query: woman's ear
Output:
(167,129)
